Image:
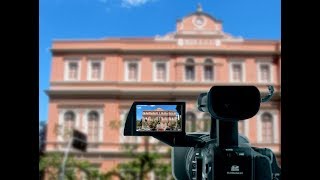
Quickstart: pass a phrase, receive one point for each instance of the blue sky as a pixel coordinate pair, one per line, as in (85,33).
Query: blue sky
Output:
(95,19)
(141,108)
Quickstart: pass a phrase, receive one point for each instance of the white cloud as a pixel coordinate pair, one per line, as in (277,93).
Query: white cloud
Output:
(138,107)
(125,3)
(152,105)
(133,3)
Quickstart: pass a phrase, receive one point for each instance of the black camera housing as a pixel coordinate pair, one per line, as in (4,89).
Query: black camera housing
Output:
(222,153)
(233,102)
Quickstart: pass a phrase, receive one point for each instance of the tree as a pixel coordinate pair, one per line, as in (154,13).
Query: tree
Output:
(42,135)
(42,140)
(143,163)
(51,164)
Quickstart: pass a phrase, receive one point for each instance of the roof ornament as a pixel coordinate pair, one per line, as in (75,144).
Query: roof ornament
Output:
(199,7)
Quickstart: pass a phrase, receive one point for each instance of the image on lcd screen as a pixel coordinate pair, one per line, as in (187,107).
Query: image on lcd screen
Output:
(159,118)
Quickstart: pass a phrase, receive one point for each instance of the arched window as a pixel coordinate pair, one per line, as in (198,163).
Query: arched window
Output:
(208,70)
(190,122)
(68,124)
(267,127)
(189,70)
(93,126)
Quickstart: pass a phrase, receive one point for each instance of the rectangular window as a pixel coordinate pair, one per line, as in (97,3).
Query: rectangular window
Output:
(132,71)
(72,70)
(237,71)
(95,70)
(160,71)
(264,72)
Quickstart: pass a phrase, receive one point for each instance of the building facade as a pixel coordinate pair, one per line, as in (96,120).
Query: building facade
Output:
(94,82)
(159,120)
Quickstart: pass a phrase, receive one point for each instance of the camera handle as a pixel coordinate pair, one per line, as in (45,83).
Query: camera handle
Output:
(269,96)
(226,132)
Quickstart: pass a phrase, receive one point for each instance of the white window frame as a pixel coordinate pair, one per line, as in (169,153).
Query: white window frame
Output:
(184,70)
(126,70)
(235,62)
(122,138)
(275,121)
(213,69)
(89,69)
(67,61)
(101,122)
(267,62)
(61,121)
(154,73)
(246,128)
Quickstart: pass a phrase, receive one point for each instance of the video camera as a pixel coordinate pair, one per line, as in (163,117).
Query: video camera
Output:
(222,154)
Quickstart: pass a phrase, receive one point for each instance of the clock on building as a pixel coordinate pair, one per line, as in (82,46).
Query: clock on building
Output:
(199,21)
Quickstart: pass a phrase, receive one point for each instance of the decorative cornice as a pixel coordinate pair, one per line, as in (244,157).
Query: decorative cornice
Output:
(167,51)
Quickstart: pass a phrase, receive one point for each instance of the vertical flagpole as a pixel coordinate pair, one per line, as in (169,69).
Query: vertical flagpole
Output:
(66,153)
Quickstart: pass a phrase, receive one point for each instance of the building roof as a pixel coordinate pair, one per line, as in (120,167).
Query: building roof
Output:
(199,11)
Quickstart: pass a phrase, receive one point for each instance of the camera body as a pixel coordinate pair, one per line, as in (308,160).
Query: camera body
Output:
(216,155)
(213,162)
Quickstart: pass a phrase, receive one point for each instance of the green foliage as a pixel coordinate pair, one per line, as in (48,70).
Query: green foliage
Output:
(172,124)
(115,124)
(139,167)
(179,123)
(139,124)
(142,164)
(51,164)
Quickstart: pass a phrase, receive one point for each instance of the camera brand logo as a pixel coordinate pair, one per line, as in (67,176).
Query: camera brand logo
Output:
(234,168)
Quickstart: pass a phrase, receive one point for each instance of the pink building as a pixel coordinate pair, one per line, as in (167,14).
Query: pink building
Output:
(94,82)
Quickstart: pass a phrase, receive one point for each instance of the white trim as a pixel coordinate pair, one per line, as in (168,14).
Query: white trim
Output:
(101,124)
(85,120)
(126,139)
(245,127)
(267,62)
(122,124)
(167,69)
(60,124)
(279,75)
(184,70)
(77,113)
(89,69)
(67,61)
(275,121)
(234,62)
(213,69)
(126,72)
